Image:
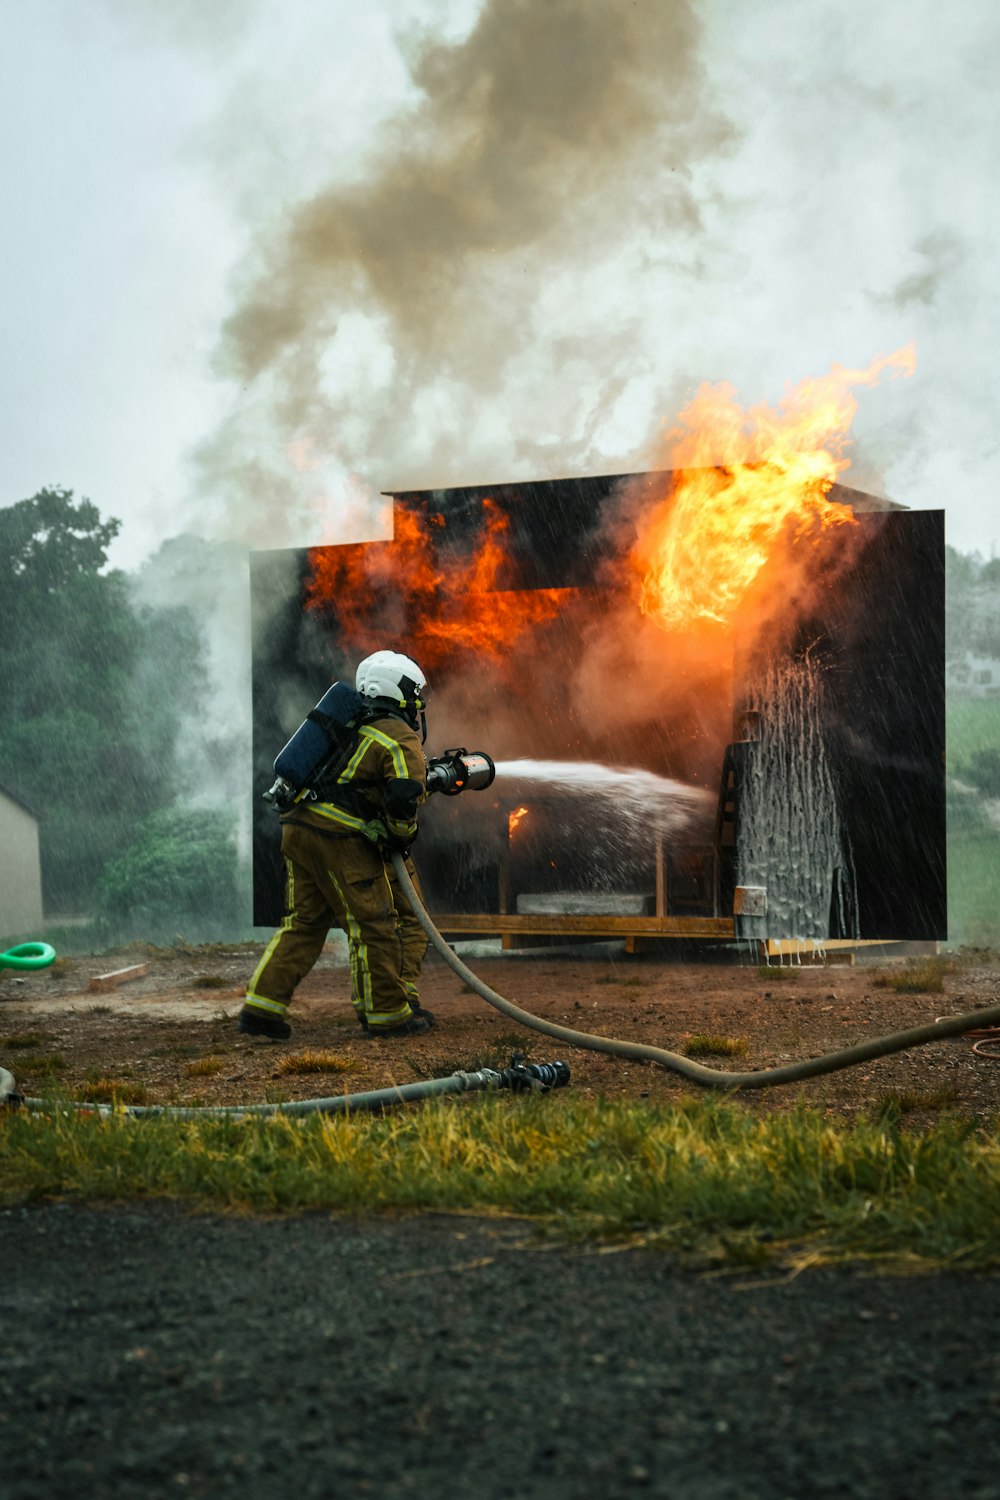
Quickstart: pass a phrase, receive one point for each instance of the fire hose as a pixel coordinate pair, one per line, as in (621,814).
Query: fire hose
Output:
(712,1078)
(519,1078)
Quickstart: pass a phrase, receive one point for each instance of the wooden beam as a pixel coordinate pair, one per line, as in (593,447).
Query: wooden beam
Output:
(103,982)
(565,925)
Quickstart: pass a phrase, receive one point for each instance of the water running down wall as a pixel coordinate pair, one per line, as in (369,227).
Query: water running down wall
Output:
(792,836)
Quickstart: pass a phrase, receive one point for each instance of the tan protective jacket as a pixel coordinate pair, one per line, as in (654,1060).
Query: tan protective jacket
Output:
(384,783)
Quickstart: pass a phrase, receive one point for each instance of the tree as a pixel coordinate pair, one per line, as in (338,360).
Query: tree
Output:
(82,737)
(180,875)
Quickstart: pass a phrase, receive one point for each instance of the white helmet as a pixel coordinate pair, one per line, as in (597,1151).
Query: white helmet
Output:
(393,679)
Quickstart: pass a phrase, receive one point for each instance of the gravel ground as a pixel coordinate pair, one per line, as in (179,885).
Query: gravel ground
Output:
(148,1352)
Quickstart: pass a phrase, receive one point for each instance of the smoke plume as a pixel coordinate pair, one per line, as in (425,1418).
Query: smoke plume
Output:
(398,318)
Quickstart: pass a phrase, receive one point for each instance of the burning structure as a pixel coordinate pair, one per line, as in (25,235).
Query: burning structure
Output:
(709,718)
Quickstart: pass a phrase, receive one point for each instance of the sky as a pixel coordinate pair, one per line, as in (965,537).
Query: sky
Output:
(263,261)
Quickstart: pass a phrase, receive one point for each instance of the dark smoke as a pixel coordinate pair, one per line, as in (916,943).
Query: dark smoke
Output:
(541,142)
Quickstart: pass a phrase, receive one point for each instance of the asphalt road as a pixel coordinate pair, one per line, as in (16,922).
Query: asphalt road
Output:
(149,1352)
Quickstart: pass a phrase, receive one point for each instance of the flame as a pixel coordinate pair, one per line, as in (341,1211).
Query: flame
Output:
(514,818)
(444,601)
(747,478)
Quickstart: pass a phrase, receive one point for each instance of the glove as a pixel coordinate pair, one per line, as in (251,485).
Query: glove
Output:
(393,844)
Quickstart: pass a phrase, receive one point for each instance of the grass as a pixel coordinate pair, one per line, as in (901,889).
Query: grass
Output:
(972,724)
(908,1101)
(111,1091)
(497,1054)
(211,982)
(974,887)
(314,1060)
(41,1064)
(705,1179)
(21,1039)
(918,976)
(773,971)
(204,1067)
(704,1045)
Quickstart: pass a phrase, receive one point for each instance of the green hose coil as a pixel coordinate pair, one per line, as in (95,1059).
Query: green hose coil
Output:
(28,956)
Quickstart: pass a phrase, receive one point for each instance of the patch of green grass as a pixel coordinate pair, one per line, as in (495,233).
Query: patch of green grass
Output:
(773,971)
(706,1179)
(97,1075)
(974,887)
(704,1045)
(41,1064)
(496,1053)
(918,976)
(104,1090)
(908,1101)
(973,724)
(21,1039)
(315,1060)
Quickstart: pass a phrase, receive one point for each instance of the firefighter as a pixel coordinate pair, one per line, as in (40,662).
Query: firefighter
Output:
(338,873)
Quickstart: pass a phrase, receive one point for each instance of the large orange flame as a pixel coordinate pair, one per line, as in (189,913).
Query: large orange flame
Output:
(443,600)
(747,479)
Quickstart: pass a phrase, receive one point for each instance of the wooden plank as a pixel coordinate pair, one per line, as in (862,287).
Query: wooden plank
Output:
(812,947)
(101,982)
(566,925)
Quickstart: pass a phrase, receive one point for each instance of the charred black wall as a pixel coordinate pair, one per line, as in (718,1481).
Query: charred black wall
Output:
(887,723)
(881,627)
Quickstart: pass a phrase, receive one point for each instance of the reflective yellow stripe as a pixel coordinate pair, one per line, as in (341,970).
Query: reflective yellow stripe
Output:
(370,735)
(337,815)
(257,1002)
(261,1001)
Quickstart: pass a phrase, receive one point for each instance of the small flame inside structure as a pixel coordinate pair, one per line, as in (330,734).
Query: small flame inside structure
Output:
(445,599)
(746,481)
(514,818)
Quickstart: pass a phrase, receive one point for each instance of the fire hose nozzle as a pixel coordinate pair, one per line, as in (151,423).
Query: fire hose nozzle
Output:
(460,771)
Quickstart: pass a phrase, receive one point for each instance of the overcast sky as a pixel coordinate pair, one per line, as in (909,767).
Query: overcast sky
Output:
(263,260)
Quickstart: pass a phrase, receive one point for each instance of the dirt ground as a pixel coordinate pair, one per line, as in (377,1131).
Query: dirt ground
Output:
(149,1351)
(170,1035)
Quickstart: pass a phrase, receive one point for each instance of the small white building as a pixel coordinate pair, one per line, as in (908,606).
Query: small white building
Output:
(973,676)
(20,868)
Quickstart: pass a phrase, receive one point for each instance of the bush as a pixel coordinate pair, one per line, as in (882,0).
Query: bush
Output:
(982,770)
(181,875)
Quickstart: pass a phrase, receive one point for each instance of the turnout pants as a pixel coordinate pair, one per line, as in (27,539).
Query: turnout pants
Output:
(343,882)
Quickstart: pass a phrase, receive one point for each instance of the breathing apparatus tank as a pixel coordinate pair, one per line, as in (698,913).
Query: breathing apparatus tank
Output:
(327,733)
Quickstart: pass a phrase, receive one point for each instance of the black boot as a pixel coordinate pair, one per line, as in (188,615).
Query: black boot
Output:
(420,1021)
(253,1022)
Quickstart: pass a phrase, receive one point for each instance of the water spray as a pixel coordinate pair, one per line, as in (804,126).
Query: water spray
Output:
(713,1078)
